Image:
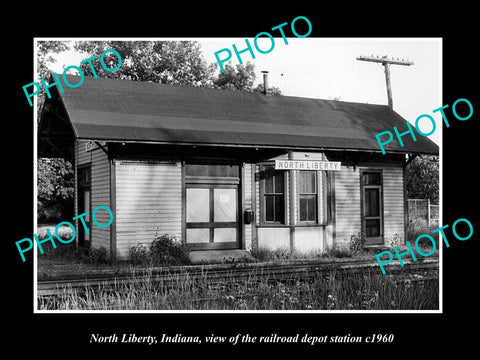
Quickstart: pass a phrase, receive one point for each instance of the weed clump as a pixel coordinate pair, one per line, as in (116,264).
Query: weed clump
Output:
(164,250)
(139,255)
(95,256)
(357,242)
(167,250)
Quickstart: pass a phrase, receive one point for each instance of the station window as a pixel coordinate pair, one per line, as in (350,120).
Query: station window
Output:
(307,194)
(273,190)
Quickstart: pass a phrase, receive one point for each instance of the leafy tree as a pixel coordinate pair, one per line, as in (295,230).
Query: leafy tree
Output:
(272,90)
(54,189)
(240,77)
(55,181)
(45,50)
(423,178)
(166,62)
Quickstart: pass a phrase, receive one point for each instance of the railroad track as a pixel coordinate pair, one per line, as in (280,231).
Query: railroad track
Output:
(226,274)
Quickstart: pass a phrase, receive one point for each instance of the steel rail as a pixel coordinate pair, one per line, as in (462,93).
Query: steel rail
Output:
(220,274)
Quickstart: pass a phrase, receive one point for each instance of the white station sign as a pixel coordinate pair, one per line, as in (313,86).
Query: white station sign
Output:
(307,165)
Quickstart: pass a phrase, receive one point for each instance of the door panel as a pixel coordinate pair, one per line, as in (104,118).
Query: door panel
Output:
(225,205)
(212,216)
(372,208)
(198,205)
(224,234)
(198,236)
(372,202)
(372,227)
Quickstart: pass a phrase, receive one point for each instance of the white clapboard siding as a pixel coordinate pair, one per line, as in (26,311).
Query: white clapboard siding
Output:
(309,239)
(148,203)
(100,197)
(393,203)
(347,204)
(83,157)
(274,238)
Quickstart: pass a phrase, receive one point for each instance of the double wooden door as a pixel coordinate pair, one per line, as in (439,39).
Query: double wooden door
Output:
(212,211)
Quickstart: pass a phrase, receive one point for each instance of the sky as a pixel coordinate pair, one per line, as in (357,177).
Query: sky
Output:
(327,68)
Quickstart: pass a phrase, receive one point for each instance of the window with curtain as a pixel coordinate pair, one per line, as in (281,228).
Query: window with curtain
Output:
(307,194)
(273,189)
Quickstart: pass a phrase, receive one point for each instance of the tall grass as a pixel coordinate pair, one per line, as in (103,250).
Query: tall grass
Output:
(366,290)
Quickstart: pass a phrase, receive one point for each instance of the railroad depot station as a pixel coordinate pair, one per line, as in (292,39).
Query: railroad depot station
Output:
(224,170)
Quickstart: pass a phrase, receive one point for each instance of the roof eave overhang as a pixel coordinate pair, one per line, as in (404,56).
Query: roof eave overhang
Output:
(261,146)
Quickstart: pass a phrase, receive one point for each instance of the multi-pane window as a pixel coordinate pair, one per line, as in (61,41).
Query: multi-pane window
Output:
(307,193)
(273,195)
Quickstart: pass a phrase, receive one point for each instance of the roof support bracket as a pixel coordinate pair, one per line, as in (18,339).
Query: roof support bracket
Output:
(104,149)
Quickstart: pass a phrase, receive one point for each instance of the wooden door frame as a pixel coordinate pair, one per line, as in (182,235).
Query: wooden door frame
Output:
(377,240)
(212,183)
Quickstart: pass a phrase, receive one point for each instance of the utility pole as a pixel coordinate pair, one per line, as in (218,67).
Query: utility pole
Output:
(385,61)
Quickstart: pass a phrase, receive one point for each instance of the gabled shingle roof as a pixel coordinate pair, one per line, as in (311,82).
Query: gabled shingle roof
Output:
(124,110)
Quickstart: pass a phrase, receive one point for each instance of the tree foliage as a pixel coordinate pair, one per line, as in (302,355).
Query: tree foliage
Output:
(423,178)
(54,189)
(240,77)
(272,90)
(166,62)
(45,51)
